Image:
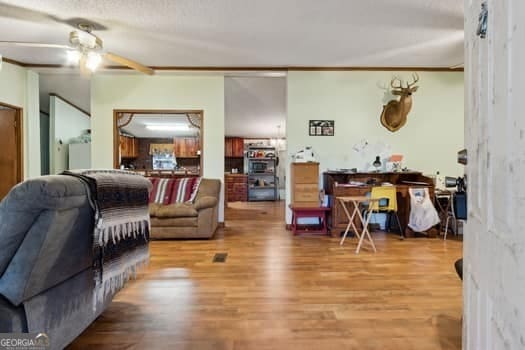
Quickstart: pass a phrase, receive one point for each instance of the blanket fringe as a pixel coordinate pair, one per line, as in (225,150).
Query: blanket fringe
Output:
(115,276)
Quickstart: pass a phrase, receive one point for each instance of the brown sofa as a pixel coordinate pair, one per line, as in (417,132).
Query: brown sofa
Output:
(188,220)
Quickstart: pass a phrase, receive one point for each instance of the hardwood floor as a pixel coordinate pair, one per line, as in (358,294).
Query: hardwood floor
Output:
(276,291)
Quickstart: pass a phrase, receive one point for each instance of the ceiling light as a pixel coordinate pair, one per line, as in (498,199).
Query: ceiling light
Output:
(171,127)
(93,60)
(73,57)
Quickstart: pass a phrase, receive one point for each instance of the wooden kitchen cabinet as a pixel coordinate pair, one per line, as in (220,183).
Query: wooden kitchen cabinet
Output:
(234,147)
(129,147)
(186,147)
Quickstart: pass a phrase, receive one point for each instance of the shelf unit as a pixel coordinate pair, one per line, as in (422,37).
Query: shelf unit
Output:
(262,186)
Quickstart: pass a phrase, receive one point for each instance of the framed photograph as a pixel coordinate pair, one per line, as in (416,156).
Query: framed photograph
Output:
(321,128)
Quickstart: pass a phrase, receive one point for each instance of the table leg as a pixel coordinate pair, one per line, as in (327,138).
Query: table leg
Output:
(350,223)
(365,232)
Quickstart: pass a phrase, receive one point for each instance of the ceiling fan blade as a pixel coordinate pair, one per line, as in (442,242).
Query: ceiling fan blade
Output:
(129,63)
(30,44)
(459,65)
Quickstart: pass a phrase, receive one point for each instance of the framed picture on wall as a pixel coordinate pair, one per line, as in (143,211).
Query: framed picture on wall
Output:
(321,128)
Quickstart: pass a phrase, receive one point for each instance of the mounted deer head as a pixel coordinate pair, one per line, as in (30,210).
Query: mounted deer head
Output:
(395,112)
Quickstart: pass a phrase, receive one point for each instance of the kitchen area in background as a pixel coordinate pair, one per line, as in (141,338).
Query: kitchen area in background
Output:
(164,145)
(255,144)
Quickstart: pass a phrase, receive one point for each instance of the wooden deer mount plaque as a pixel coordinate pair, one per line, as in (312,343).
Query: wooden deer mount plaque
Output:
(395,112)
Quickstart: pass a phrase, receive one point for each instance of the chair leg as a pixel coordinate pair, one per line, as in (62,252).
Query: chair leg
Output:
(401,232)
(446,229)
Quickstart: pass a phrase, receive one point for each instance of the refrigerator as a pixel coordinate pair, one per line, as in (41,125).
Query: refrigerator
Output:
(79,156)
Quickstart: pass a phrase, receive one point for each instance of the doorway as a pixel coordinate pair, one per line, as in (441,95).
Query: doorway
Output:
(11,157)
(255,156)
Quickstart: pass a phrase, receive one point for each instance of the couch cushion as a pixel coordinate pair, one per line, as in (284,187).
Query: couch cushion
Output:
(25,202)
(174,222)
(153,207)
(176,210)
(209,187)
(205,202)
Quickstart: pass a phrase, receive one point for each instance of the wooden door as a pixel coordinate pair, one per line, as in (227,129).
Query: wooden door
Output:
(10,156)
(494,239)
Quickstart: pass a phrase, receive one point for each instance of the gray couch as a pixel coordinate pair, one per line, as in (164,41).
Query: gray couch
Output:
(46,279)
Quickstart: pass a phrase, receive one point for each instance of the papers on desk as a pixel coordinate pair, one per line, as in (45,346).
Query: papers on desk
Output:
(416,183)
(352,184)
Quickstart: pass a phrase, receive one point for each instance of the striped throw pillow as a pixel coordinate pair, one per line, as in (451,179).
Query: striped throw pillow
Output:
(161,191)
(184,190)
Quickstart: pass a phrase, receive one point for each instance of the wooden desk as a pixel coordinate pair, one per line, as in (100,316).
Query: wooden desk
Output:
(334,185)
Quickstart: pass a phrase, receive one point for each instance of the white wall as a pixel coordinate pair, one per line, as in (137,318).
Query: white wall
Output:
(429,141)
(118,91)
(65,123)
(19,87)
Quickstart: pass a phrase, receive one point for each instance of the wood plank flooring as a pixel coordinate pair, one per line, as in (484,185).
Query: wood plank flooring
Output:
(276,291)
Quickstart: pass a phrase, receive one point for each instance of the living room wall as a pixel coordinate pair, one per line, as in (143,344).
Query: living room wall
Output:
(19,87)
(66,122)
(133,91)
(354,100)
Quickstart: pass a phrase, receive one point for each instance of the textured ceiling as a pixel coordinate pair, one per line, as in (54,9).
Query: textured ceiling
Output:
(247,32)
(137,127)
(71,87)
(255,107)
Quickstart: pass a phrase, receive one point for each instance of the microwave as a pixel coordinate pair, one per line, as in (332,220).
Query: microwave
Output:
(259,167)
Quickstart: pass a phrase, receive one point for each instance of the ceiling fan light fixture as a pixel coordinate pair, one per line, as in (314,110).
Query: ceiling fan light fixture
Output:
(73,57)
(93,60)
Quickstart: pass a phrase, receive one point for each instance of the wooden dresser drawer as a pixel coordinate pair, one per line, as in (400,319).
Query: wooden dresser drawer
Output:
(306,192)
(306,174)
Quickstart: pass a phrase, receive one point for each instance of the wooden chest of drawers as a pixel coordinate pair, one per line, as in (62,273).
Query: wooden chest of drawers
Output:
(236,187)
(304,182)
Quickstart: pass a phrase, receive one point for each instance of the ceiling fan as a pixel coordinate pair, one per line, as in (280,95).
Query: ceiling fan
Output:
(86,50)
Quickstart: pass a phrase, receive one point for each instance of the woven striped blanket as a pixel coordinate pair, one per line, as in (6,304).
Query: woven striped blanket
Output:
(120,239)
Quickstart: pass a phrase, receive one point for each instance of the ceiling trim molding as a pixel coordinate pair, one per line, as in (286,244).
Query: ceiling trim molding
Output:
(17,63)
(256,68)
(71,104)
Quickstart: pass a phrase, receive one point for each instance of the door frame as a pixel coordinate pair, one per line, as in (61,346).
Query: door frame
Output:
(116,143)
(19,134)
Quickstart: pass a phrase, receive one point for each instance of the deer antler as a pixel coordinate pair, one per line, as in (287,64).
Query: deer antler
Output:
(394,80)
(415,76)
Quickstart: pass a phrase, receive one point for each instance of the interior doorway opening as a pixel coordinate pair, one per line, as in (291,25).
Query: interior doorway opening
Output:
(11,157)
(255,141)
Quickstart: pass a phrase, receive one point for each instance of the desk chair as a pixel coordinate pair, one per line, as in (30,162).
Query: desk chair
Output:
(387,203)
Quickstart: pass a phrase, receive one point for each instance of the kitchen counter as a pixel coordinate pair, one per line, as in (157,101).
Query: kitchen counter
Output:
(236,187)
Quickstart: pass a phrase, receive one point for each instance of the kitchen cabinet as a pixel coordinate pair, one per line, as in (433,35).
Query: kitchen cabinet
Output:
(129,147)
(234,147)
(186,147)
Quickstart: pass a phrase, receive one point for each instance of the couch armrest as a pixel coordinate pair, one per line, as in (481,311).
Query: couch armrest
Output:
(205,202)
